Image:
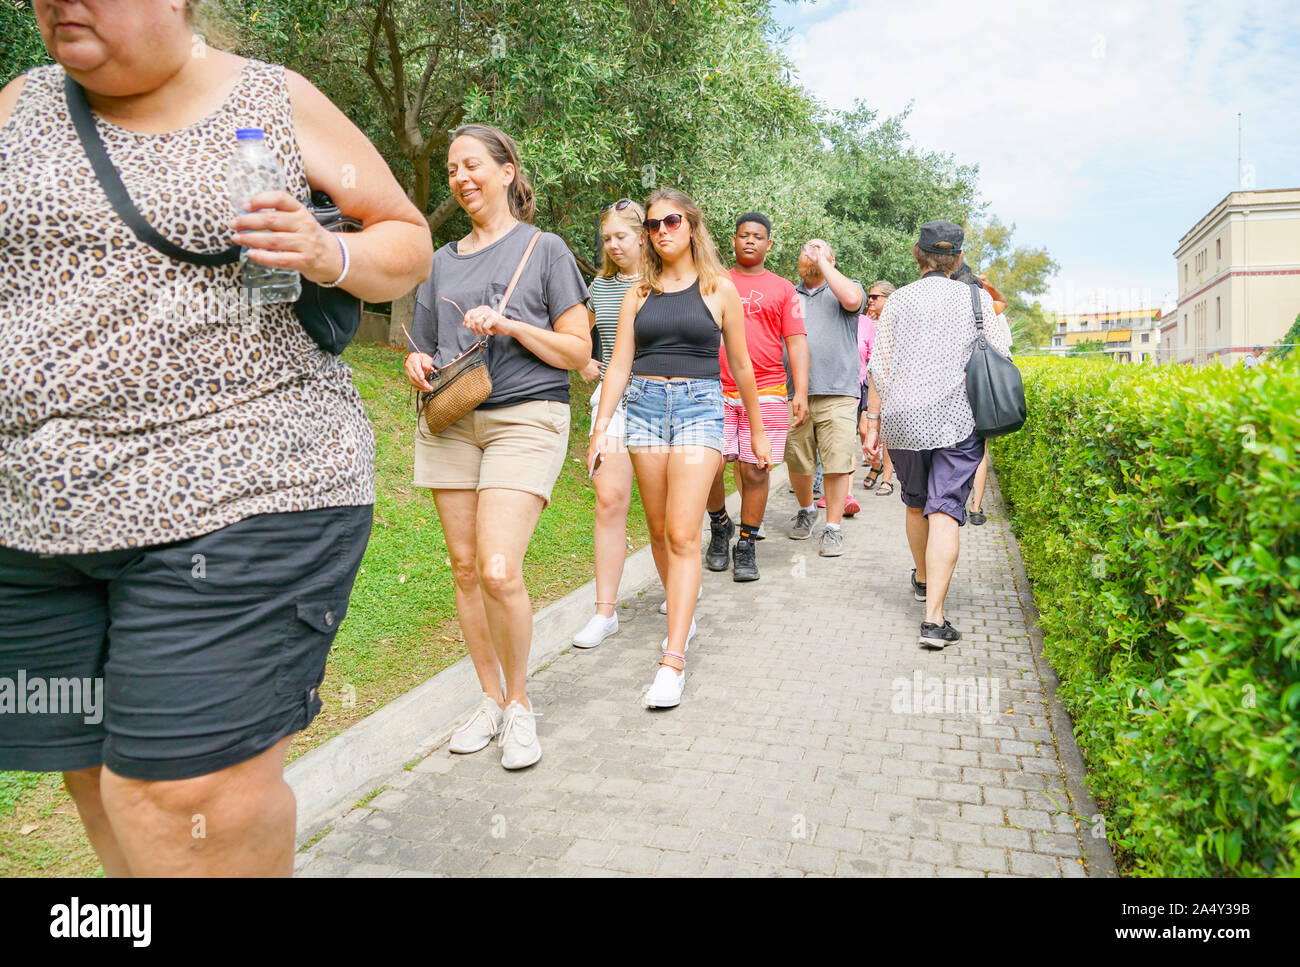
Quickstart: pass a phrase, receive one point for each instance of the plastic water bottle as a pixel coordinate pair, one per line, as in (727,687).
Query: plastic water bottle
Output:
(254,169)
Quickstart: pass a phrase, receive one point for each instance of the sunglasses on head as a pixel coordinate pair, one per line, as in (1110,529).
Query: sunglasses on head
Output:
(670,222)
(618,206)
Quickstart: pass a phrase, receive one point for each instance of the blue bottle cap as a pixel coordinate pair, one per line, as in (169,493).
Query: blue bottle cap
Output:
(249,134)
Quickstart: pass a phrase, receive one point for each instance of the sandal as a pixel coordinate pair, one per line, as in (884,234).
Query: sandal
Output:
(873,475)
(882,492)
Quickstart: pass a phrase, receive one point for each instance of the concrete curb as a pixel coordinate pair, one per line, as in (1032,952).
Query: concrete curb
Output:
(330,778)
(1097,852)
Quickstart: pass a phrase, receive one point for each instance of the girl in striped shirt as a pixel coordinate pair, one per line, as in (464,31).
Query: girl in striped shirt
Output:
(623,233)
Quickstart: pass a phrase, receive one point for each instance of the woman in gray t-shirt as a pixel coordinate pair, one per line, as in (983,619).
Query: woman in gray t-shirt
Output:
(492,470)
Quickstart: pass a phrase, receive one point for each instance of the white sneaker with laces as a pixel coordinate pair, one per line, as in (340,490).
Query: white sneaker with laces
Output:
(519,745)
(663,605)
(666,690)
(480,729)
(689,635)
(597,630)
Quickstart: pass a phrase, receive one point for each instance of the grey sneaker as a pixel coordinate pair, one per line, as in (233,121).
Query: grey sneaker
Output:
(938,636)
(519,745)
(801,524)
(976,517)
(832,542)
(918,587)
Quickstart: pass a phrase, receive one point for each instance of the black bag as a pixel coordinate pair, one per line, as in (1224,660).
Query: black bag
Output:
(993,384)
(330,316)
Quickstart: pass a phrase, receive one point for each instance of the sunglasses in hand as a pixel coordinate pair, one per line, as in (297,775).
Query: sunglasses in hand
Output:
(671,222)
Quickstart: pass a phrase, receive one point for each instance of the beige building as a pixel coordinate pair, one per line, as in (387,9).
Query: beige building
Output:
(1127,335)
(1238,278)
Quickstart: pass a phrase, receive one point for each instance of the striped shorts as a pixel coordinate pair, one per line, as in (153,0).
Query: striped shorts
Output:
(736,441)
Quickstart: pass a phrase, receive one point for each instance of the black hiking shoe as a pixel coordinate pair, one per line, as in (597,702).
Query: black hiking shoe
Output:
(745,568)
(936,636)
(717,557)
(976,517)
(918,588)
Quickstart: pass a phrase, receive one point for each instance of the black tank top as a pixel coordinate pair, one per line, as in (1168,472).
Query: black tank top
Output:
(676,336)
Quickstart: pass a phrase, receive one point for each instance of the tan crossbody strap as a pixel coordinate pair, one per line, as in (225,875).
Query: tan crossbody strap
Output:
(519,270)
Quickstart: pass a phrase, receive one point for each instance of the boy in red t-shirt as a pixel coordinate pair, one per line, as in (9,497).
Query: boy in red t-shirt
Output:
(773,321)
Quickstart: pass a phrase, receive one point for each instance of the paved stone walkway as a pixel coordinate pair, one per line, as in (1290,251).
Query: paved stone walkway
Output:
(815,737)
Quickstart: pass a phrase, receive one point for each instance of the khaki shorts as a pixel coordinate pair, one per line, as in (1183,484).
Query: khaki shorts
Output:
(832,429)
(519,447)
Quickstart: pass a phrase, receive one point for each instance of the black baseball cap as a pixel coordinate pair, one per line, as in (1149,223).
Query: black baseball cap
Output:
(941,238)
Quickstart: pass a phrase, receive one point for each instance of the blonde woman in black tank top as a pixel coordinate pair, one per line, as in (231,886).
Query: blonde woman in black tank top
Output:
(681,270)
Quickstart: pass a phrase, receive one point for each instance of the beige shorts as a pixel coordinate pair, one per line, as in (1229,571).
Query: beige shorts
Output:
(832,429)
(519,447)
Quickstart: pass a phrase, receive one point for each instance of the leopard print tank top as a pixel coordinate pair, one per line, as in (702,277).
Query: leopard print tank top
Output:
(142,400)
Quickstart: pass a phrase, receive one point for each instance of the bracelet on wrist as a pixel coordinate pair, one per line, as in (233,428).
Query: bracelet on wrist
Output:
(343,274)
(872,416)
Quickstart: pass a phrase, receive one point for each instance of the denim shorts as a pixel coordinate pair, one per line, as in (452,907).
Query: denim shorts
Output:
(674,413)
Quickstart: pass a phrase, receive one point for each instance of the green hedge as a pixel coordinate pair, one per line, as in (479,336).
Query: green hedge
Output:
(1158,511)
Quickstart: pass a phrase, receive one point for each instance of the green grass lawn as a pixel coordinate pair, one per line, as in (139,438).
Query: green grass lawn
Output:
(401,625)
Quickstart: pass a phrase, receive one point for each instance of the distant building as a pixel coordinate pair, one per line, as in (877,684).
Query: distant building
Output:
(1127,335)
(1238,278)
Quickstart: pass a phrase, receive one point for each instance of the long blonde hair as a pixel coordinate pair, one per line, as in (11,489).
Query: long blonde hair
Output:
(634,216)
(703,252)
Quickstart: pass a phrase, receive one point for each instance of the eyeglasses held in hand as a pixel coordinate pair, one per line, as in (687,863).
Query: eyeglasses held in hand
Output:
(670,222)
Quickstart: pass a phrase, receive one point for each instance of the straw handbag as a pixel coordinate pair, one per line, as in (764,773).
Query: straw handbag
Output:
(463,383)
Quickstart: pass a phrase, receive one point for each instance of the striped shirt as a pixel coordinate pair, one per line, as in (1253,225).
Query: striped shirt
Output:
(606,299)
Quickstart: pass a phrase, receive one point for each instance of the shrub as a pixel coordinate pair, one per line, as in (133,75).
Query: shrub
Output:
(1158,515)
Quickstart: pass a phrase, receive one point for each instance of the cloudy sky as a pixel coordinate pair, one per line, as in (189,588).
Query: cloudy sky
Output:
(1104,130)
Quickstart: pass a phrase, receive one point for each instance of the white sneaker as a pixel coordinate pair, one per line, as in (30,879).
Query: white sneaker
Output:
(666,690)
(519,745)
(689,635)
(481,728)
(597,630)
(663,605)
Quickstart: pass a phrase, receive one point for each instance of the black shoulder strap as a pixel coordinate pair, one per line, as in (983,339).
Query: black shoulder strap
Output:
(111,182)
(978,307)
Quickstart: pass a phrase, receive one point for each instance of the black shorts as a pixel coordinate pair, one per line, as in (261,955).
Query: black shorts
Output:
(175,660)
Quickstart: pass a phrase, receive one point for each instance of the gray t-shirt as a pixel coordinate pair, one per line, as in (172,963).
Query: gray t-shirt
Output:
(550,285)
(833,360)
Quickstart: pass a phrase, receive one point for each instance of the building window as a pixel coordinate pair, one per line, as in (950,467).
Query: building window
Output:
(1218,250)
(1146,337)
(1218,312)
(1056,340)
(1186,270)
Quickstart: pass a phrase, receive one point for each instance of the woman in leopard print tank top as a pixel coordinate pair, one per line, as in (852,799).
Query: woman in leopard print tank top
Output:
(186,481)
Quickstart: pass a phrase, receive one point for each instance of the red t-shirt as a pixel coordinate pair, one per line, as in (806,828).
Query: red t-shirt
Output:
(771,315)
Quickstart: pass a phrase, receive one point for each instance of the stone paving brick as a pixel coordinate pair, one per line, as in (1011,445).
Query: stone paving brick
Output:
(787,756)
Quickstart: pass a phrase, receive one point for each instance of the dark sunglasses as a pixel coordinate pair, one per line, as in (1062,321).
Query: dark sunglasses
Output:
(618,206)
(670,222)
(875,295)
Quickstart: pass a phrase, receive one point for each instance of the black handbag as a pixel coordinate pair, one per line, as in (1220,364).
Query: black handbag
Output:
(993,384)
(331,316)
